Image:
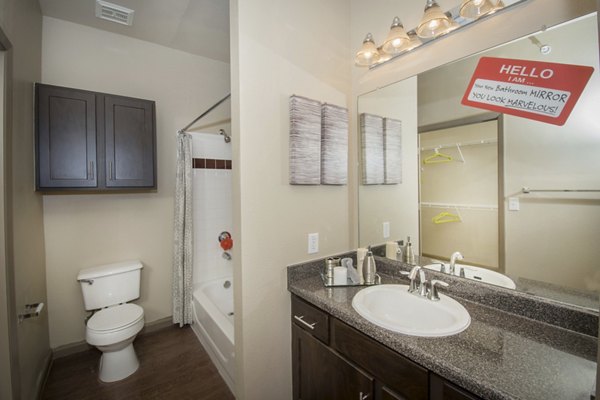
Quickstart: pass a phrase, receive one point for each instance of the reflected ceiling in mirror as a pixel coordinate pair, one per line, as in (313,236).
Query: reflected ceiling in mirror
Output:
(544,241)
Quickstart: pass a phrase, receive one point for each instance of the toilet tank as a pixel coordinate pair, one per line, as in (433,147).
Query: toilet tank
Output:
(110,284)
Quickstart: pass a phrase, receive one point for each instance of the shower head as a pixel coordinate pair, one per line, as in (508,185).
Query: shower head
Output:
(226,137)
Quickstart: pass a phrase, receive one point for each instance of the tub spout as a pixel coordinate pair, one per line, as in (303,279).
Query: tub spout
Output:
(226,255)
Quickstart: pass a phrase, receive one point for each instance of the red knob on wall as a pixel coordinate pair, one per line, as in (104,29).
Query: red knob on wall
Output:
(226,244)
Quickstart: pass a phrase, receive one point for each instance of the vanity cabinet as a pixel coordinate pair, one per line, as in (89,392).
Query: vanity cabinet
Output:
(332,360)
(93,141)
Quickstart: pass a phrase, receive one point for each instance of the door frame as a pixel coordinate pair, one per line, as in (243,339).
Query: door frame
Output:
(9,349)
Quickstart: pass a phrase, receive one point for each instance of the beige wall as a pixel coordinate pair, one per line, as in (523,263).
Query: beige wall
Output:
(396,204)
(279,48)
(87,230)
(21,21)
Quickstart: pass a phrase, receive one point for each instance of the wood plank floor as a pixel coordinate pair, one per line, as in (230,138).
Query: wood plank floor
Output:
(173,365)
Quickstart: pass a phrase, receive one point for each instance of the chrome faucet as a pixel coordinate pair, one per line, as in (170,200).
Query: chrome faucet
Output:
(455,256)
(422,286)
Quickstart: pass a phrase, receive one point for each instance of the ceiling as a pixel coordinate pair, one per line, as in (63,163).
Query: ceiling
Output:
(199,27)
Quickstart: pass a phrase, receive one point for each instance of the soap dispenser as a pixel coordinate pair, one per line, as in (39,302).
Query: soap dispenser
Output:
(409,255)
(369,269)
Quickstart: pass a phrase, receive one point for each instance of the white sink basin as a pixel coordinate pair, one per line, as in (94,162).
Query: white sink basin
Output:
(479,274)
(393,307)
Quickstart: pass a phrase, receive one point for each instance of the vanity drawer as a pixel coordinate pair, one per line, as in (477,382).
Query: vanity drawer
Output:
(401,375)
(311,319)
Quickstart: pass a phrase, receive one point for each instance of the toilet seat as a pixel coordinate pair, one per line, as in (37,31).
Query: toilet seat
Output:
(115,318)
(114,324)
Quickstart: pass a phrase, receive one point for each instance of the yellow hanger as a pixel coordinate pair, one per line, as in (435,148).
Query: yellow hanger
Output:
(445,217)
(437,157)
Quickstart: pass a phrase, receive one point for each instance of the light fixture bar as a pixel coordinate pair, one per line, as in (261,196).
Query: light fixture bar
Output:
(458,22)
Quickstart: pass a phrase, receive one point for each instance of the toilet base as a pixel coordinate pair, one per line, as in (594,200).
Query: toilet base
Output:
(117,365)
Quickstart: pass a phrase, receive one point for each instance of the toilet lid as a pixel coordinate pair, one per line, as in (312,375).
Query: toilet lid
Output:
(115,317)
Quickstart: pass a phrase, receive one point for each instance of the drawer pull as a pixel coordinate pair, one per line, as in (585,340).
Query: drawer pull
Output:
(363,397)
(301,320)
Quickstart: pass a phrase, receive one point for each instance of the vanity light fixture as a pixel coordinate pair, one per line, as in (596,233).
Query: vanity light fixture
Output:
(414,40)
(434,22)
(397,39)
(368,53)
(476,8)
(434,25)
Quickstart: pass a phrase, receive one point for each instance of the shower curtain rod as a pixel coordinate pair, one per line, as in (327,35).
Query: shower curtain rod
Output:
(218,103)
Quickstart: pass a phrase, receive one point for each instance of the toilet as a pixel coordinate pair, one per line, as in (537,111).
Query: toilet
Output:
(115,323)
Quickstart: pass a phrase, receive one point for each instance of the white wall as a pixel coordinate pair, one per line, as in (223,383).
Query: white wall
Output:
(87,230)
(212,208)
(279,48)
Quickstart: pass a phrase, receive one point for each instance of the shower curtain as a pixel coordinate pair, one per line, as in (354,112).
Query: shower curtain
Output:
(183,250)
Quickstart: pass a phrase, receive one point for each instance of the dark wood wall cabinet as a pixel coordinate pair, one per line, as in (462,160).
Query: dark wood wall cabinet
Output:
(331,360)
(93,141)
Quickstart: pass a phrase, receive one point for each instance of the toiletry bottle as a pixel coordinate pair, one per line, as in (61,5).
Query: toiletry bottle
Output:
(400,250)
(409,255)
(369,269)
(361,253)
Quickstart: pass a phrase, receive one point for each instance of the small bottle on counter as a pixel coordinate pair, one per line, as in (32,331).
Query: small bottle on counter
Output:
(361,253)
(330,264)
(409,255)
(400,250)
(369,269)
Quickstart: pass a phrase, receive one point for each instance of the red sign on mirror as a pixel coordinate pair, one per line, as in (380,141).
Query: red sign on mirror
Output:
(536,90)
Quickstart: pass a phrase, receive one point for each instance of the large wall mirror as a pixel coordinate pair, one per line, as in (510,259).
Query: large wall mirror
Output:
(462,170)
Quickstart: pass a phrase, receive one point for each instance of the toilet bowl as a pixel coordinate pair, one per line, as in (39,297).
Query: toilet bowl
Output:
(112,330)
(106,290)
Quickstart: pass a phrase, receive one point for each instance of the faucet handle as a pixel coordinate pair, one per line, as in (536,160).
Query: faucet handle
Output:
(433,292)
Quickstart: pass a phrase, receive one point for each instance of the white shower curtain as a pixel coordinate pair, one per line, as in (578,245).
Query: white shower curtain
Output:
(183,250)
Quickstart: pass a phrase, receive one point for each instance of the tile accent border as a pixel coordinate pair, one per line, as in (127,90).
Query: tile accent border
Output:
(210,163)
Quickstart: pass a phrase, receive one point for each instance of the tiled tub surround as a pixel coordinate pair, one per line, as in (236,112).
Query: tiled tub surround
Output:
(212,206)
(502,355)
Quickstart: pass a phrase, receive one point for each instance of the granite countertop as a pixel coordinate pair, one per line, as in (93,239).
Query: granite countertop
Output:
(500,356)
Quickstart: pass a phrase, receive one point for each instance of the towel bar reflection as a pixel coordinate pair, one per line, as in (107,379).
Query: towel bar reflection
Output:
(527,190)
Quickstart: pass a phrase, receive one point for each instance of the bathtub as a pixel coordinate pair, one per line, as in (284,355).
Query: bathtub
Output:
(213,324)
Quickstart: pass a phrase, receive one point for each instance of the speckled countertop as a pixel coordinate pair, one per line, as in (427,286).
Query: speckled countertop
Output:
(500,356)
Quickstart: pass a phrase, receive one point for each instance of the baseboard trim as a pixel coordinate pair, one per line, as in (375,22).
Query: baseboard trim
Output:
(79,347)
(43,375)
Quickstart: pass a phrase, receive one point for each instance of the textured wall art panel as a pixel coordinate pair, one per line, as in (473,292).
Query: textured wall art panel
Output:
(392,151)
(371,143)
(334,145)
(305,141)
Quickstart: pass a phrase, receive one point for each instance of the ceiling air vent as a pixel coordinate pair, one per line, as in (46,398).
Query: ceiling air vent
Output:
(113,12)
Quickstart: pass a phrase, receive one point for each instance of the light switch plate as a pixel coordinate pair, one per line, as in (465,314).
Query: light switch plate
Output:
(313,243)
(513,204)
(386,230)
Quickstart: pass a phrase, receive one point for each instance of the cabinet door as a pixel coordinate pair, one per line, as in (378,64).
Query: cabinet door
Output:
(441,389)
(66,138)
(319,373)
(129,142)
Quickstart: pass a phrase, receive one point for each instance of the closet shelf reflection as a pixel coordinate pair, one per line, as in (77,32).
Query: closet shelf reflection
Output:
(489,207)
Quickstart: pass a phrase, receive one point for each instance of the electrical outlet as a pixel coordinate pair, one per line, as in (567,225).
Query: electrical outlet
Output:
(313,243)
(386,230)
(513,204)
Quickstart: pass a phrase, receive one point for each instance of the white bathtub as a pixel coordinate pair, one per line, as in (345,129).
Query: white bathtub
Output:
(213,324)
